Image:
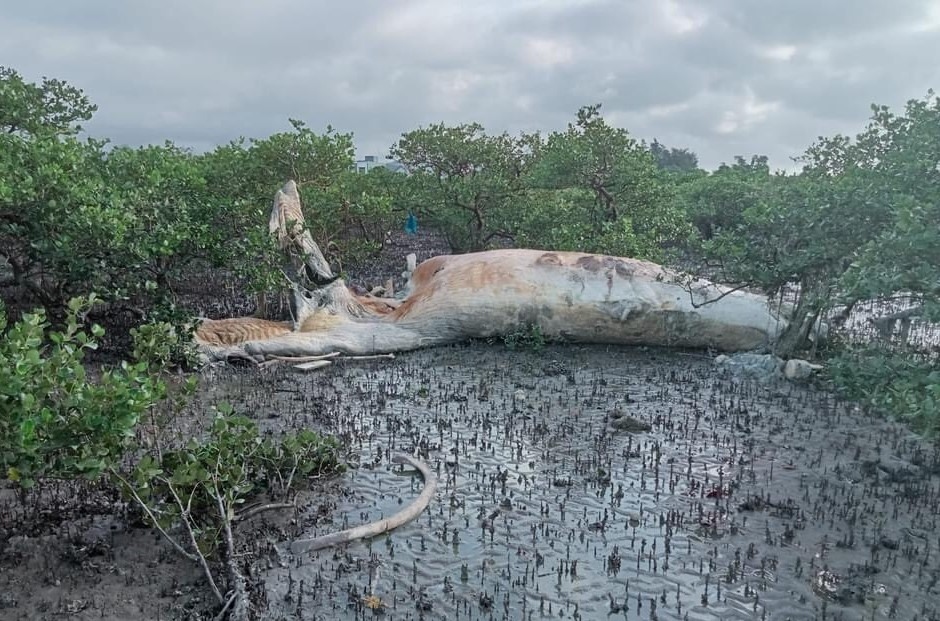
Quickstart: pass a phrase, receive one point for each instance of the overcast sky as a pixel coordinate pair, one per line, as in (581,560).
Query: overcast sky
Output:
(721,77)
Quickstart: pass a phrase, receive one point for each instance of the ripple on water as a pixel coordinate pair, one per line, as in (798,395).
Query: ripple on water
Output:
(744,501)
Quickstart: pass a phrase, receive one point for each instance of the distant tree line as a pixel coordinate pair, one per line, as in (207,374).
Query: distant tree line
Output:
(858,223)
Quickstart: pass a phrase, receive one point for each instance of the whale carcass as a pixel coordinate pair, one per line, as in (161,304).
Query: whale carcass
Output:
(566,296)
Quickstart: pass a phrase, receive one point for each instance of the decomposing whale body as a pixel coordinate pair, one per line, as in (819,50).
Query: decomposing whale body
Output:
(567,296)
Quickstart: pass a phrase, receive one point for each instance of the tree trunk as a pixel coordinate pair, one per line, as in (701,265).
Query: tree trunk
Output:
(796,336)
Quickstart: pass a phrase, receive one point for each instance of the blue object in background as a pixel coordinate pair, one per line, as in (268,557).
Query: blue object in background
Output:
(411,226)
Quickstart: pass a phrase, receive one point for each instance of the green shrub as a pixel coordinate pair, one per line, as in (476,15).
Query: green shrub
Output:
(900,383)
(464,182)
(232,465)
(55,421)
(164,345)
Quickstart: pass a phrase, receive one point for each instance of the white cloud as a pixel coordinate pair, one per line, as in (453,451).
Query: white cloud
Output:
(451,89)
(680,18)
(668,110)
(747,112)
(778,52)
(723,77)
(546,53)
(929,22)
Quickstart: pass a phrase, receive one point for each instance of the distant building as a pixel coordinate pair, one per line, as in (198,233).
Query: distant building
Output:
(369,162)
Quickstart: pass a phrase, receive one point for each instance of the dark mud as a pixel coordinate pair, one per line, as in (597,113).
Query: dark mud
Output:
(741,501)
(575,483)
(391,261)
(92,565)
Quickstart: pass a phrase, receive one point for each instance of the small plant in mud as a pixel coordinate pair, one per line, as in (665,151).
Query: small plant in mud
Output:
(528,336)
(202,489)
(55,421)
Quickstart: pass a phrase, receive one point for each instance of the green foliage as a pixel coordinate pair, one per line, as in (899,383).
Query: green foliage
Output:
(162,190)
(716,202)
(528,336)
(632,212)
(674,160)
(903,384)
(554,220)
(55,421)
(76,218)
(56,222)
(801,231)
(466,183)
(859,222)
(365,206)
(340,206)
(164,345)
(563,220)
(591,188)
(234,182)
(206,482)
(310,159)
(52,107)
(131,223)
(894,167)
(790,233)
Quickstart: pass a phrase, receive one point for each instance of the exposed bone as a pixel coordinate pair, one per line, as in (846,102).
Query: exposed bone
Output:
(312,366)
(568,296)
(375,357)
(411,263)
(300,359)
(381,526)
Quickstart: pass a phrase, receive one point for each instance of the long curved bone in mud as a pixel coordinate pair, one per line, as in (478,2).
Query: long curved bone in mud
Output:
(567,296)
(378,527)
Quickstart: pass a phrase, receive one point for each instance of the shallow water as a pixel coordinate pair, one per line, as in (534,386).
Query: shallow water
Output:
(743,501)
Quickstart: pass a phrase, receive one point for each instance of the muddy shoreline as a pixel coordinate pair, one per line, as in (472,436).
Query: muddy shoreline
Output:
(574,482)
(744,500)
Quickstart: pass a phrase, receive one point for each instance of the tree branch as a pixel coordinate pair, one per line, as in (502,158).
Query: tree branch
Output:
(688,287)
(239,593)
(200,557)
(153,518)
(253,511)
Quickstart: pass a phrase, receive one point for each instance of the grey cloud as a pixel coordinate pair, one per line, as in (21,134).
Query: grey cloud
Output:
(796,21)
(273,30)
(722,78)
